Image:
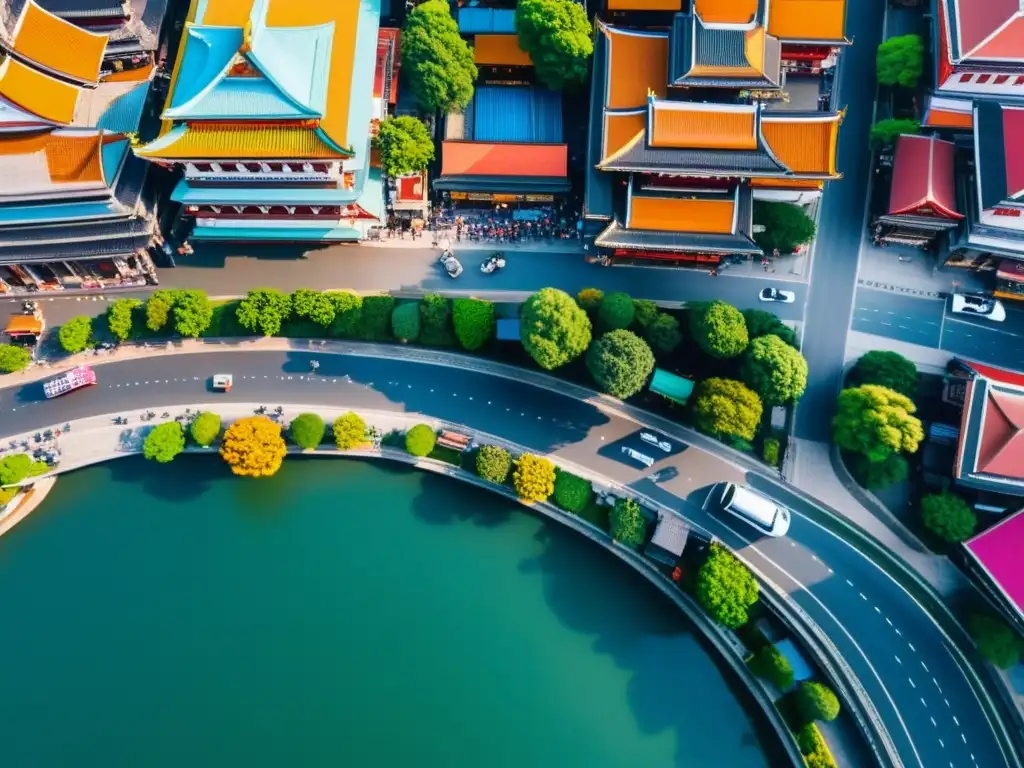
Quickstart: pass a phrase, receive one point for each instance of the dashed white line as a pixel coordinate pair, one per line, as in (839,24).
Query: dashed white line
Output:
(849,582)
(898,632)
(912,683)
(942,743)
(947,703)
(964,738)
(956,721)
(925,666)
(878,610)
(924,703)
(898,660)
(888,621)
(912,648)
(933,722)
(863,596)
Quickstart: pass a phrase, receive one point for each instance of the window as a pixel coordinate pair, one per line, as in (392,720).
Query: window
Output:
(1000,79)
(983,79)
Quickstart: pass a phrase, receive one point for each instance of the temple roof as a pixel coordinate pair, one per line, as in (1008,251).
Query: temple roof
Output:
(804,142)
(922,178)
(693,125)
(57,45)
(477,158)
(945,112)
(813,21)
(729,11)
(500,50)
(990,454)
(219,141)
(704,214)
(998,153)
(722,55)
(637,65)
(35,91)
(992,30)
(47,162)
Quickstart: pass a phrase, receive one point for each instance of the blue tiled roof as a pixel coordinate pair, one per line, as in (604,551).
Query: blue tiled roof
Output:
(296,60)
(240,97)
(208,51)
(372,198)
(476,21)
(261,195)
(283,234)
(529,115)
(30,214)
(364,63)
(112,155)
(124,113)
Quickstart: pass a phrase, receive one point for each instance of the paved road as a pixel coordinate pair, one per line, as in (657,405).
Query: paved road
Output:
(929,322)
(892,646)
(841,224)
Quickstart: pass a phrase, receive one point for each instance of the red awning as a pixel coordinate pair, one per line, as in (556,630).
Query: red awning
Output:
(922,178)
(1011,269)
(478,158)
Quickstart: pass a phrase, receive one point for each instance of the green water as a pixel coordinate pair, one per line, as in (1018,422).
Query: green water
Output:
(339,614)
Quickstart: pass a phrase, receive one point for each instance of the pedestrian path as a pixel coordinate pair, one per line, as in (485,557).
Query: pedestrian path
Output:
(913,272)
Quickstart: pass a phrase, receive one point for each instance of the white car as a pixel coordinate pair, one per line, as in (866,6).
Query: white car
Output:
(990,309)
(647,461)
(774,294)
(649,437)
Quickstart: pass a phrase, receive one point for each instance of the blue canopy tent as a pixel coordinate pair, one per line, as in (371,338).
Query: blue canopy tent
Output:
(670,386)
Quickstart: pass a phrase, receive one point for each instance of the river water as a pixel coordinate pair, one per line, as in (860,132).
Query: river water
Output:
(340,614)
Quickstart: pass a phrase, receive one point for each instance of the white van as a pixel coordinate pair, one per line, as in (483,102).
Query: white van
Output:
(764,514)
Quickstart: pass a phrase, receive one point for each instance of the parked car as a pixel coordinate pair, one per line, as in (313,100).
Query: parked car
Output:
(653,439)
(774,294)
(990,309)
(644,459)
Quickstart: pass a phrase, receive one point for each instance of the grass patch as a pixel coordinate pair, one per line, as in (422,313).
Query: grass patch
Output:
(6,494)
(447,455)
(38,468)
(595,514)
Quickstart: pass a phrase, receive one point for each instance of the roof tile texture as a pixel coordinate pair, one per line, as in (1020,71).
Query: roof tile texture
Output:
(59,45)
(702,128)
(636,64)
(681,215)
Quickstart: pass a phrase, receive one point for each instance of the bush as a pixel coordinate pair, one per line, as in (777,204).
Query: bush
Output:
(474,322)
(13,358)
(572,493)
(314,306)
(420,440)
(899,61)
(375,318)
(663,333)
(616,311)
(775,370)
(761,323)
(628,525)
(816,701)
(158,309)
(164,442)
(589,299)
(120,317)
(876,422)
(644,312)
(263,310)
(307,430)
(876,475)
(533,478)
(349,431)
(948,516)
(553,329)
(253,447)
(435,323)
(620,363)
(76,334)
(14,469)
(436,60)
(719,329)
(770,449)
(493,463)
(885,132)
(769,663)
(722,407)
(726,588)
(886,369)
(995,639)
(38,468)
(405,322)
(192,313)
(205,428)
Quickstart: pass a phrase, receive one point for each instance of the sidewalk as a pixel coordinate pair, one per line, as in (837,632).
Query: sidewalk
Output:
(917,275)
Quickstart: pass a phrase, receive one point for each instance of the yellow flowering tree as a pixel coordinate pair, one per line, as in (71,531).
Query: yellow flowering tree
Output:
(253,447)
(534,478)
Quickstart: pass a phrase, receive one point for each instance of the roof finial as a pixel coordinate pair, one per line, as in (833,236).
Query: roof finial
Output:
(246,38)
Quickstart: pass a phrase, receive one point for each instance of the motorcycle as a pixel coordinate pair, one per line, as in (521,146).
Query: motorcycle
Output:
(493,264)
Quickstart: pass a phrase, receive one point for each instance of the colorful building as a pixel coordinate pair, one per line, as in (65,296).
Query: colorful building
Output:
(72,209)
(691,123)
(268,117)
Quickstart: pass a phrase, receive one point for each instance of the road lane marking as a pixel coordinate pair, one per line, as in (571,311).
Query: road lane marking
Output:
(937,684)
(942,743)
(956,721)
(924,703)
(849,582)
(888,621)
(898,660)
(912,648)
(878,610)
(912,683)
(925,666)
(964,738)
(863,596)
(933,720)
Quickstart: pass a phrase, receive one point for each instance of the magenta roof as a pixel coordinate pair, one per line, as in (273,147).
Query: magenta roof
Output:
(997,550)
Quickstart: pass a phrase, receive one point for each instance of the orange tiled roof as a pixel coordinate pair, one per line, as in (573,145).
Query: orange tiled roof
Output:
(620,128)
(808,19)
(130,75)
(674,214)
(477,158)
(36,92)
(644,5)
(500,50)
(947,118)
(70,157)
(637,64)
(726,11)
(690,125)
(59,45)
(787,183)
(803,144)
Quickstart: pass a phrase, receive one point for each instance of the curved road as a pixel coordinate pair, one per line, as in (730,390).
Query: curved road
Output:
(890,643)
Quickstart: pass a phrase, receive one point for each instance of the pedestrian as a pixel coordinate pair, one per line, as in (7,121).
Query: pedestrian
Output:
(714,272)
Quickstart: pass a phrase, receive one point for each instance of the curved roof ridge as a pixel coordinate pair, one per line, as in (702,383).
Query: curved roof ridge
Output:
(295,70)
(214,64)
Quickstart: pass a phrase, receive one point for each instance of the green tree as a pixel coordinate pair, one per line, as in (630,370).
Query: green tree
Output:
(76,334)
(349,431)
(995,639)
(375,318)
(348,311)
(885,132)
(420,440)
(663,333)
(405,146)
(900,61)
(553,328)
(627,523)
(192,313)
(590,299)
(723,407)
(164,442)
(15,468)
(948,516)
(876,475)
(616,311)
(307,430)
(769,663)
(572,492)
(437,61)
(886,369)
(770,450)
(205,428)
(718,328)
(558,37)
(815,701)
(473,320)
(726,588)
(620,363)
(811,742)
(13,358)
(158,309)
(119,317)
(435,322)
(876,421)
(761,323)
(314,306)
(775,370)
(644,311)
(787,226)
(493,463)
(405,321)
(533,478)
(263,310)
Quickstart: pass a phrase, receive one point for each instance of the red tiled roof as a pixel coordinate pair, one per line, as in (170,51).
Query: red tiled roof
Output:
(477,158)
(922,178)
(996,374)
(1001,447)
(989,29)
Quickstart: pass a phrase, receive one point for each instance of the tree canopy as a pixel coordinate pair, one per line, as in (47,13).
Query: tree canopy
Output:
(900,61)
(877,475)
(572,492)
(436,321)
(644,312)
(726,588)
(405,321)
(348,313)
(253,447)
(775,370)
(787,226)
(164,442)
(405,146)
(615,311)
(761,323)
(620,362)
(420,440)
(533,478)
(192,313)
(76,334)
(263,310)
(948,516)
(876,421)
(663,333)
(13,358)
(14,468)
(590,299)
(493,463)
(723,407)
(816,701)
(886,369)
(375,317)
(315,306)
(559,38)
(307,430)
(119,317)
(349,431)
(718,328)
(627,523)
(553,328)
(473,321)
(885,132)
(205,428)
(995,639)
(435,58)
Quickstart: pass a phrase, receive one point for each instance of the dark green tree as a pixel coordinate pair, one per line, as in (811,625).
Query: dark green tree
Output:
(885,132)
(436,322)
(437,61)
(405,322)
(558,37)
(723,407)
(375,318)
(76,334)
(663,333)
(473,320)
(164,442)
(615,311)
(119,317)
(572,492)
(13,358)
(886,369)
(553,328)
(876,421)
(761,323)
(314,306)
(14,468)
(995,639)
(816,701)
(590,299)
(405,146)
(948,516)
(628,525)
(205,428)
(348,312)
(718,328)
(620,363)
(645,311)
(900,61)
(192,313)
(420,440)
(787,226)
(877,475)
(307,430)
(775,370)
(263,310)
(726,588)
(493,463)
(769,663)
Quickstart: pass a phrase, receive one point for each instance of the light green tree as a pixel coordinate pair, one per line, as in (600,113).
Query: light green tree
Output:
(553,328)
(877,422)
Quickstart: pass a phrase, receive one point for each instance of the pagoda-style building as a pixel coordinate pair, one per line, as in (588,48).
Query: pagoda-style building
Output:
(268,118)
(725,102)
(72,212)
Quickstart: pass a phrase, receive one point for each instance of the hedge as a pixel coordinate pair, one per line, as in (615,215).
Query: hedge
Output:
(813,747)
(572,493)
(769,664)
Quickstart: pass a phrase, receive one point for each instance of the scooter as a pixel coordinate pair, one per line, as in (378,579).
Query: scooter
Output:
(493,264)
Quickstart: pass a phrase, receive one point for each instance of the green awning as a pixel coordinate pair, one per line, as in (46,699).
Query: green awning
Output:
(671,386)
